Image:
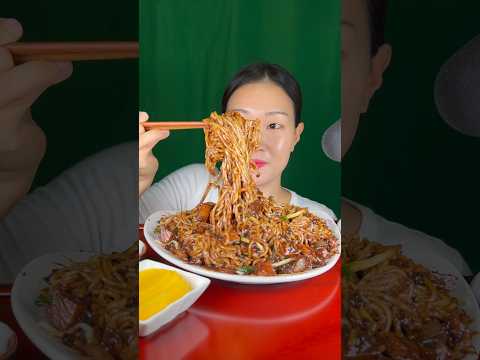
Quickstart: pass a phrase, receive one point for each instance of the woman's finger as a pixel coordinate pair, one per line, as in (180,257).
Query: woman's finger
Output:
(6,60)
(150,138)
(13,117)
(10,31)
(147,163)
(141,130)
(34,76)
(142,117)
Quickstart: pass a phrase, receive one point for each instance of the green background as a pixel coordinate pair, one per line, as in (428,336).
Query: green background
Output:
(97,107)
(191,49)
(406,162)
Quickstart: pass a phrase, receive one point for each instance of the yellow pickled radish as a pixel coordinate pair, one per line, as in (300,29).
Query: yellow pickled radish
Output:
(158,288)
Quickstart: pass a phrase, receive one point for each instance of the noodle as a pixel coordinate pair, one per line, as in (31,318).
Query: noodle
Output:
(244,232)
(93,304)
(231,139)
(394,308)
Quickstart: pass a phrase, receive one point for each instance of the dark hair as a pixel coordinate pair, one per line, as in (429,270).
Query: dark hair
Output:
(260,71)
(377,14)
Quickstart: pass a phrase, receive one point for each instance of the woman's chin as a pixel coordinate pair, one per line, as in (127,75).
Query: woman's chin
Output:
(260,179)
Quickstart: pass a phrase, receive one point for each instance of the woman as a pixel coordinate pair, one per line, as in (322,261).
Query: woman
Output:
(365,57)
(259,91)
(91,206)
(22,142)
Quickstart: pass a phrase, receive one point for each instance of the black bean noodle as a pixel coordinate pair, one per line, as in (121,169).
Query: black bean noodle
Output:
(394,308)
(93,305)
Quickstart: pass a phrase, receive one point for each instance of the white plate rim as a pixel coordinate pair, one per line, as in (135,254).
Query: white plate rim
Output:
(152,221)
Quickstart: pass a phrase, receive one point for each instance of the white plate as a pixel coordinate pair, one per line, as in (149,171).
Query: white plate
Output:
(198,283)
(25,291)
(152,239)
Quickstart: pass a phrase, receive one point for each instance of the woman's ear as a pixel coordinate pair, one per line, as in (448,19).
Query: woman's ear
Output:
(298,134)
(378,64)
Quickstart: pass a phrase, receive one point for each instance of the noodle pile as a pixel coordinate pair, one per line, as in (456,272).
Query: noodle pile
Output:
(244,232)
(93,305)
(394,308)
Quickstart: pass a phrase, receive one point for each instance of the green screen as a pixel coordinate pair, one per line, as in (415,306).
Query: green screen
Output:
(97,106)
(191,49)
(406,162)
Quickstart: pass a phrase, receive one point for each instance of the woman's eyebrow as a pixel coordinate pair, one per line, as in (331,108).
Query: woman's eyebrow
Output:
(348,24)
(240,110)
(276,113)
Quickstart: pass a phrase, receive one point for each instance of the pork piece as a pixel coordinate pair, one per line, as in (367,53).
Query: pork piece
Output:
(64,312)
(204,211)
(301,264)
(287,268)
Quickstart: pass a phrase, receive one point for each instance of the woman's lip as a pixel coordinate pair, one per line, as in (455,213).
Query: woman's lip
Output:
(259,163)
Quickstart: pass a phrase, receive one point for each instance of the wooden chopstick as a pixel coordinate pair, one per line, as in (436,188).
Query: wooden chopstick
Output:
(174,125)
(73,51)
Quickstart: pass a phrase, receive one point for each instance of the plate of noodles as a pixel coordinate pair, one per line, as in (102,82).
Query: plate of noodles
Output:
(79,305)
(398,305)
(245,236)
(260,268)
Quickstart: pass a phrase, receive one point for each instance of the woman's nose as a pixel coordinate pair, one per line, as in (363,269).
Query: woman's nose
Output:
(263,138)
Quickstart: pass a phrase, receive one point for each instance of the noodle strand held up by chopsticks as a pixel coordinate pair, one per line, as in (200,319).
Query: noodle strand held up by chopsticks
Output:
(231,139)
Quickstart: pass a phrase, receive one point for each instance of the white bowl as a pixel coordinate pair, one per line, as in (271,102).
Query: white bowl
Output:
(198,283)
(153,240)
(141,249)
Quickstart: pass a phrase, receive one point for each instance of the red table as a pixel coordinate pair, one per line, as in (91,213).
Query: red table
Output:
(235,321)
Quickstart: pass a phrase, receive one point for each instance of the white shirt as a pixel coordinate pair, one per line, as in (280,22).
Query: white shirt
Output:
(91,207)
(183,189)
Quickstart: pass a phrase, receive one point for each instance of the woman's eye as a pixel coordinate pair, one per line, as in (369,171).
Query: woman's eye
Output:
(274,126)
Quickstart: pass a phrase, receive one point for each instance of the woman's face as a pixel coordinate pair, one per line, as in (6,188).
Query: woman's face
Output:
(270,104)
(361,73)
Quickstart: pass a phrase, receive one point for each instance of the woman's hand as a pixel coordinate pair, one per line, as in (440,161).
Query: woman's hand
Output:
(22,142)
(148,163)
